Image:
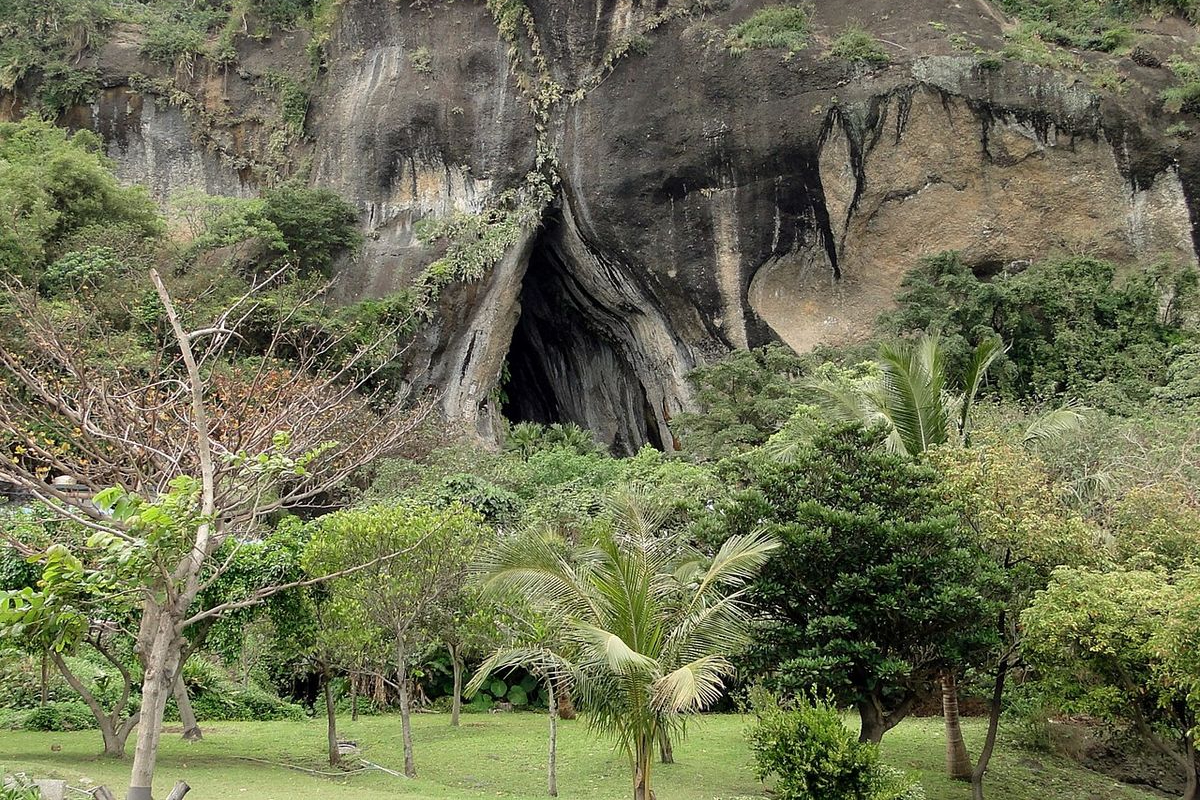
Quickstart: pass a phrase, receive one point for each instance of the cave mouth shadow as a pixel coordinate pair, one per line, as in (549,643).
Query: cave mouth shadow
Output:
(568,361)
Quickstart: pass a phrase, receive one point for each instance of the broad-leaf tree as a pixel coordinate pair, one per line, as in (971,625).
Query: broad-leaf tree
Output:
(196,446)
(1121,645)
(876,588)
(399,594)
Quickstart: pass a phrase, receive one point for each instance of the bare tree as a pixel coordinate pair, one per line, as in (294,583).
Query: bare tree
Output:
(283,429)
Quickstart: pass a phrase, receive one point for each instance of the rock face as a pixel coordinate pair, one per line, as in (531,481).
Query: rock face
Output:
(702,201)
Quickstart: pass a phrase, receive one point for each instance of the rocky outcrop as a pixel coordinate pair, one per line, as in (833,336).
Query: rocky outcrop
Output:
(702,201)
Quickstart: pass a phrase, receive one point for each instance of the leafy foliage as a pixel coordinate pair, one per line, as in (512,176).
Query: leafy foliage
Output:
(648,624)
(743,399)
(1121,645)
(803,742)
(1073,327)
(856,45)
(874,588)
(54,185)
(784,27)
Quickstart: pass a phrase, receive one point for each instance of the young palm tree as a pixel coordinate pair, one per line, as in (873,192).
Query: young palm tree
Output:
(648,623)
(912,397)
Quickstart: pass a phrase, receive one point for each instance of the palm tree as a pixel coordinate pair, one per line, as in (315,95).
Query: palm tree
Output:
(912,397)
(648,623)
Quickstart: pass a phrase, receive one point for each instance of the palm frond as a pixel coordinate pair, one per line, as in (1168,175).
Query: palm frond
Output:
(610,649)
(985,354)
(1055,425)
(693,686)
(913,380)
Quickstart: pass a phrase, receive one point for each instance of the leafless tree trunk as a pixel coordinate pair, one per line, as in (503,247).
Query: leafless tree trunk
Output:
(162,661)
(552,760)
(335,755)
(353,697)
(666,753)
(958,760)
(989,742)
(456,702)
(191,728)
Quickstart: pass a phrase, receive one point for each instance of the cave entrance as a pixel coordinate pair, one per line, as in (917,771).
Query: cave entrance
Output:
(569,357)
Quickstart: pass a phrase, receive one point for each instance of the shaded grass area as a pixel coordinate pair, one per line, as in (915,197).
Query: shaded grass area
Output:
(503,755)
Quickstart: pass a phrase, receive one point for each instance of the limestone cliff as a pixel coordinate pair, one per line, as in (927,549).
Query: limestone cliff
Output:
(702,201)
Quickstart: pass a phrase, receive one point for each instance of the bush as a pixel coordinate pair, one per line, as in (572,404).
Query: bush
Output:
(71,715)
(784,27)
(858,47)
(77,270)
(808,749)
(813,756)
(317,225)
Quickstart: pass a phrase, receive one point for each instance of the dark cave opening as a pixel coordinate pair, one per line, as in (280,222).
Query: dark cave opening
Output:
(569,357)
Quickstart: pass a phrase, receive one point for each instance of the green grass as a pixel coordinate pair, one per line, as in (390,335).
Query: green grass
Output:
(503,756)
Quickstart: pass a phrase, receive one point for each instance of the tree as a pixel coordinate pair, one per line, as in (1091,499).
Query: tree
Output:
(397,594)
(875,589)
(1076,327)
(67,608)
(196,447)
(648,623)
(535,642)
(54,185)
(467,623)
(1004,496)
(1121,645)
(744,398)
(912,397)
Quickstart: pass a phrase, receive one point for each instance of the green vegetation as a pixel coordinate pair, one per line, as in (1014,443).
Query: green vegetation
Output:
(1073,327)
(781,27)
(59,188)
(805,745)
(502,755)
(910,605)
(856,45)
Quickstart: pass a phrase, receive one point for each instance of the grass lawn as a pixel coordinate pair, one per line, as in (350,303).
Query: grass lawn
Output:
(503,755)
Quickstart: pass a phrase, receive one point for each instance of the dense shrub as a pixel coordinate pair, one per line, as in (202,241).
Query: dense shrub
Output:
(743,399)
(241,703)
(858,47)
(811,754)
(69,715)
(1074,328)
(1090,24)
(783,27)
(317,225)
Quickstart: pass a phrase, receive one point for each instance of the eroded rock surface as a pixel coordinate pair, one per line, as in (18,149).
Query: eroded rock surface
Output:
(702,201)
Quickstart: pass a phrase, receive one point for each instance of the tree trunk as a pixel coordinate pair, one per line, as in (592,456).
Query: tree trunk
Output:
(353,697)
(179,791)
(566,707)
(666,753)
(643,759)
(161,663)
(330,720)
(552,759)
(958,760)
(45,675)
(1192,789)
(114,735)
(114,743)
(989,742)
(191,728)
(873,726)
(456,701)
(410,767)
